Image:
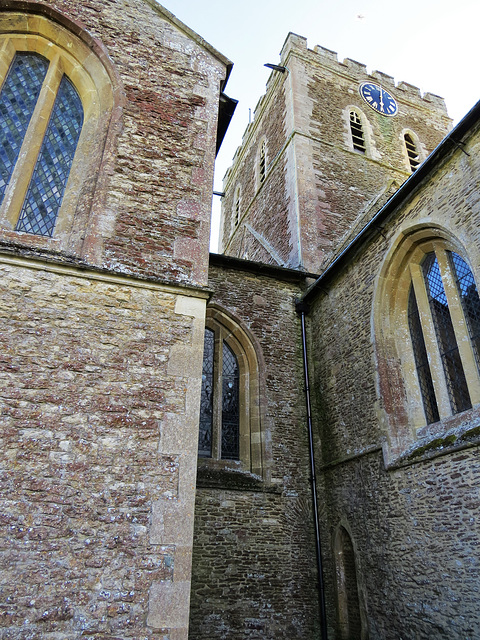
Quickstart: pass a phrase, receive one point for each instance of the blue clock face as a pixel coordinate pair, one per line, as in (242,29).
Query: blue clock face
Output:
(378,98)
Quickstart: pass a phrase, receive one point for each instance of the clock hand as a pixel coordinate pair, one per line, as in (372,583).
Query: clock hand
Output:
(381,98)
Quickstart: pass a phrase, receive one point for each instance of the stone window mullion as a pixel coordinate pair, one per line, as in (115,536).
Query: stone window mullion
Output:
(217,395)
(459,326)
(32,142)
(431,344)
(245,441)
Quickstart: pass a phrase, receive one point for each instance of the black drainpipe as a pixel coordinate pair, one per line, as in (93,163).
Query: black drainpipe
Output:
(302,309)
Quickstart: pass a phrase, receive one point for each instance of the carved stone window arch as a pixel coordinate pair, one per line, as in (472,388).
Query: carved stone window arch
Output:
(73,59)
(231,376)
(358,132)
(413,151)
(427,326)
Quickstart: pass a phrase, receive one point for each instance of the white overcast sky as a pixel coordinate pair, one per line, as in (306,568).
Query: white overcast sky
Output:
(433,44)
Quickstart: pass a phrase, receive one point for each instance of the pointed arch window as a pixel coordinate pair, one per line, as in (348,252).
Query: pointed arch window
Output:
(230,416)
(262,163)
(36,86)
(412,152)
(57,96)
(220,400)
(356,130)
(444,325)
(236,207)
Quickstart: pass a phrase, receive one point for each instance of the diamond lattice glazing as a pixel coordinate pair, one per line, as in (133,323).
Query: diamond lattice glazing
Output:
(230,405)
(45,193)
(17,101)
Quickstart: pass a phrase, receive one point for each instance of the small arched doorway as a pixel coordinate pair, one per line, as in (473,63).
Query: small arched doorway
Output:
(348,600)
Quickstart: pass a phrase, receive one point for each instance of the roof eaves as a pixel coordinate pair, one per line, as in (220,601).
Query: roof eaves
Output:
(259,268)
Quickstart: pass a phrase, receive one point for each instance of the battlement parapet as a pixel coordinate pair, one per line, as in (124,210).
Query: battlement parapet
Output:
(356,67)
(383,78)
(329,59)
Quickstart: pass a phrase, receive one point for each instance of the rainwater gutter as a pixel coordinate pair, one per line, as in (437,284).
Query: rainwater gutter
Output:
(302,309)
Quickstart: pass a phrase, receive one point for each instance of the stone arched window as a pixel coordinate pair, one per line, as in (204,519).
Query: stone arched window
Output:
(413,152)
(237,200)
(427,326)
(357,132)
(230,418)
(262,161)
(56,102)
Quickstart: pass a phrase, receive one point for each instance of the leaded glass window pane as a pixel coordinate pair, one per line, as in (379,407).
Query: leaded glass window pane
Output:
(45,193)
(447,342)
(230,405)
(17,101)
(206,402)
(421,361)
(467,290)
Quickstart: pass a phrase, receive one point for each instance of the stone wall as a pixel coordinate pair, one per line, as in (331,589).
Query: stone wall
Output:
(254,570)
(150,200)
(102,338)
(97,492)
(411,513)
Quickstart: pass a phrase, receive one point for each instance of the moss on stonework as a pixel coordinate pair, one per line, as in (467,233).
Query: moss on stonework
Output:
(472,432)
(438,443)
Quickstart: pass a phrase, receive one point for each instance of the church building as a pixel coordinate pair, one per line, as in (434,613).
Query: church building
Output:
(277,441)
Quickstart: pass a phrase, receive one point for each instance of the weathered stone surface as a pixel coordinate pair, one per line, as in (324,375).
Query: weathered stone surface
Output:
(254,571)
(414,526)
(85,390)
(100,366)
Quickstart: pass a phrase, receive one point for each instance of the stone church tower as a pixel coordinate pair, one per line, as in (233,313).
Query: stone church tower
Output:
(317,161)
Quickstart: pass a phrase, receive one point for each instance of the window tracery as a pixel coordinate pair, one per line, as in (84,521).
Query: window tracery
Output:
(427,323)
(18,99)
(442,306)
(220,400)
